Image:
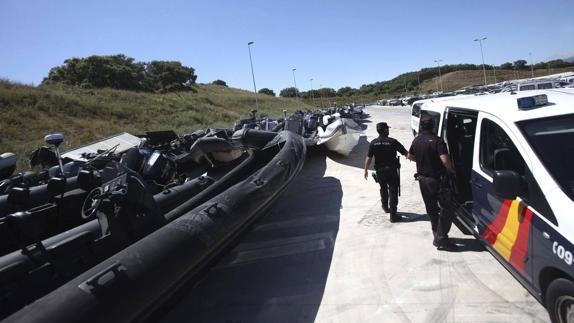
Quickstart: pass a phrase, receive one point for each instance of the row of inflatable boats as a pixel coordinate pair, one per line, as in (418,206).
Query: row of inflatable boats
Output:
(335,128)
(106,231)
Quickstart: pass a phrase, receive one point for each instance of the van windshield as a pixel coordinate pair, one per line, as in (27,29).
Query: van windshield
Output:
(553,141)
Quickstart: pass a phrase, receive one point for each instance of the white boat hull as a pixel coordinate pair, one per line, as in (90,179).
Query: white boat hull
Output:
(341,136)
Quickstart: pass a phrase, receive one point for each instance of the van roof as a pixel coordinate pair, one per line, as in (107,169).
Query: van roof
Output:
(504,105)
(443,98)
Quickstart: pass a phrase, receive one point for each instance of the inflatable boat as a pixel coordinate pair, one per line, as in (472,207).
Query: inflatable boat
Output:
(340,135)
(137,246)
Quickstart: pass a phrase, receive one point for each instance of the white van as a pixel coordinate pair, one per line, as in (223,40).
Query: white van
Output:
(429,111)
(514,155)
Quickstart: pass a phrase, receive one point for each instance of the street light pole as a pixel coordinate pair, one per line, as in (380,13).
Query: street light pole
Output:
(321,95)
(531,66)
(479,40)
(494,70)
(312,96)
(253,76)
(437,61)
(295,82)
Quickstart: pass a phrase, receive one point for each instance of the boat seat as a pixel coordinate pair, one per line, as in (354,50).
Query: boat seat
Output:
(7,164)
(88,180)
(29,225)
(57,186)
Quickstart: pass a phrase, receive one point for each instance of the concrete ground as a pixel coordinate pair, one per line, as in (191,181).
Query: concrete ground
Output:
(327,253)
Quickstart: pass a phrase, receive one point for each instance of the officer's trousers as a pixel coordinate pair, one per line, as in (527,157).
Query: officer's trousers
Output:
(389,182)
(440,215)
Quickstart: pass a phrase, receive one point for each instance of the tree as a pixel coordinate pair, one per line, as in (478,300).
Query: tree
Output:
(290,92)
(506,66)
(519,64)
(219,82)
(327,92)
(167,76)
(266,91)
(122,72)
(116,71)
(347,91)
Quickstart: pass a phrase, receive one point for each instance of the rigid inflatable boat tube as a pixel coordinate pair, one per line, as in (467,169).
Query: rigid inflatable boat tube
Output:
(248,138)
(77,246)
(131,284)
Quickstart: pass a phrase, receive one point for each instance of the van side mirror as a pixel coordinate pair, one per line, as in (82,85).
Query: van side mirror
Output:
(507,184)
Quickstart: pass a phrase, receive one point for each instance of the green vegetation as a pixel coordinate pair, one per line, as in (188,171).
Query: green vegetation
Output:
(266,91)
(28,113)
(219,82)
(290,92)
(122,72)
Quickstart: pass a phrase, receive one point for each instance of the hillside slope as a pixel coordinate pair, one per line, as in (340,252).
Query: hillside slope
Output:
(28,113)
(459,79)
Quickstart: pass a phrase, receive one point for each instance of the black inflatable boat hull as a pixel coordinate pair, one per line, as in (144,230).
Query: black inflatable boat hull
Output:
(133,283)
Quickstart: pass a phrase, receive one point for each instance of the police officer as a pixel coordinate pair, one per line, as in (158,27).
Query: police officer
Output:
(384,149)
(430,153)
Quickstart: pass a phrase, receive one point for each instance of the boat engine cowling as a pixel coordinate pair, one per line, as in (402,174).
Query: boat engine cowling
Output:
(158,168)
(7,165)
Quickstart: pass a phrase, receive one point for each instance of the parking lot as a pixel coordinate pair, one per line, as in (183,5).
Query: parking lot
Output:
(327,253)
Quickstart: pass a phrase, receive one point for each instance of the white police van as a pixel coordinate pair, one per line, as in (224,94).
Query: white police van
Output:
(431,111)
(514,158)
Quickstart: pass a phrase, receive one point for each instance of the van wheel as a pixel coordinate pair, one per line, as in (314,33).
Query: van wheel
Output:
(560,301)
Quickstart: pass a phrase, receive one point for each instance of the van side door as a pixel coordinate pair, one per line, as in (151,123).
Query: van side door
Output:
(503,225)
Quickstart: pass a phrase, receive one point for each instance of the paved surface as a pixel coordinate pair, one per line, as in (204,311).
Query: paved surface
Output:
(327,253)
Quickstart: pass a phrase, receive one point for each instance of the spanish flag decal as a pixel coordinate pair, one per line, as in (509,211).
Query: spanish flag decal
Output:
(509,232)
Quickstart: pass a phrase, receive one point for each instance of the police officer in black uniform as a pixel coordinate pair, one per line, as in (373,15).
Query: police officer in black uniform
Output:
(430,153)
(384,149)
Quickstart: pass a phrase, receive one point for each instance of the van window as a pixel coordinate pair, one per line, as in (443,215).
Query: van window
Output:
(497,152)
(435,116)
(553,141)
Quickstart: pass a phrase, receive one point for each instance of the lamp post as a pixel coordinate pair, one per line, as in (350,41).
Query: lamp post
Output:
(437,61)
(531,65)
(253,76)
(312,96)
(479,40)
(321,95)
(295,82)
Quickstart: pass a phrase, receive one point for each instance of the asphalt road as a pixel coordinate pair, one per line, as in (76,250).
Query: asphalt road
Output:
(327,253)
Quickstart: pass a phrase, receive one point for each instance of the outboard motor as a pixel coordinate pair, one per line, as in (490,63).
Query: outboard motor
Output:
(311,123)
(7,165)
(158,168)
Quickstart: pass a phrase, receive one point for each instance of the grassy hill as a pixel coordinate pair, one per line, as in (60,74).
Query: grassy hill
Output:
(459,79)
(28,113)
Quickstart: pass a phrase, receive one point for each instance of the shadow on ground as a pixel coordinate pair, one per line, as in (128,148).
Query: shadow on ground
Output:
(412,217)
(470,244)
(278,272)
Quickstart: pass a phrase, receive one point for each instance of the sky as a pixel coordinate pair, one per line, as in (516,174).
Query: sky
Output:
(335,43)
